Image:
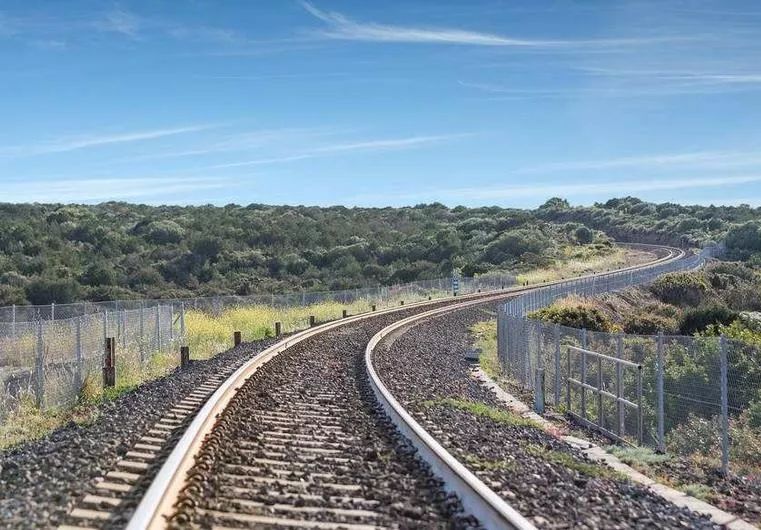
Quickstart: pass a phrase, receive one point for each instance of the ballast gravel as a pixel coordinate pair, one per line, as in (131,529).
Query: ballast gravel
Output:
(546,480)
(41,481)
(248,473)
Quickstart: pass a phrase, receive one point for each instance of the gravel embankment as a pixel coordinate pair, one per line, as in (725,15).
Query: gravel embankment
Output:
(315,396)
(41,481)
(539,475)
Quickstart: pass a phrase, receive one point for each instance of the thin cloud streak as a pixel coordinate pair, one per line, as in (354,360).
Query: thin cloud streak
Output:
(677,75)
(659,89)
(342,27)
(107,189)
(74,143)
(696,160)
(380,145)
(327,150)
(544,191)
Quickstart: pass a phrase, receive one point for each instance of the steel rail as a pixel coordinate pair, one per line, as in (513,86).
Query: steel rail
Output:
(477,498)
(157,503)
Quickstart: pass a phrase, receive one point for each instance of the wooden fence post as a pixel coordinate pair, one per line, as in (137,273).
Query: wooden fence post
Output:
(109,363)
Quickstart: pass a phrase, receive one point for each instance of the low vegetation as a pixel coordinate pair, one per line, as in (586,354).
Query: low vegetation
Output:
(66,253)
(483,410)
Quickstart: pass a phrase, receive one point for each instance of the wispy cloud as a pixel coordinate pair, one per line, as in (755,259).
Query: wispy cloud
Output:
(74,143)
(244,141)
(382,145)
(119,21)
(694,160)
(544,191)
(270,77)
(625,89)
(704,77)
(108,189)
(388,144)
(344,28)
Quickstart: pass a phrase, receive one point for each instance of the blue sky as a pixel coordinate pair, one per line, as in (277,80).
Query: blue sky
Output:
(380,103)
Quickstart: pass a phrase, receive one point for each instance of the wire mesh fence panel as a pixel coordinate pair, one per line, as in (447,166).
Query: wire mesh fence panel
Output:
(691,395)
(50,354)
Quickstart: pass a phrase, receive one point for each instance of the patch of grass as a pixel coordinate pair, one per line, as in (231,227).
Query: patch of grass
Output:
(206,334)
(28,422)
(485,411)
(699,491)
(209,334)
(637,456)
(489,465)
(485,339)
(569,461)
(576,262)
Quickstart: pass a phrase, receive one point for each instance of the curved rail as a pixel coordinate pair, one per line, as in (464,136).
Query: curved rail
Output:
(477,498)
(158,502)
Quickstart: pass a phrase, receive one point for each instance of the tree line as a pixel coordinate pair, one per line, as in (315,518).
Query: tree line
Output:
(64,253)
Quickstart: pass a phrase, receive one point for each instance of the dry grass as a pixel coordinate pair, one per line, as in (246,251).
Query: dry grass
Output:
(576,262)
(485,338)
(28,422)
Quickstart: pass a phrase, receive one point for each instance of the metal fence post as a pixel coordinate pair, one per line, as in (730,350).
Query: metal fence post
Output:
(158,327)
(123,319)
(660,417)
(639,405)
(539,391)
(182,320)
(142,330)
(526,354)
(171,322)
(39,368)
(556,333)
(600,415)
(724,406)
(568,380)
(105,325)
(621,431)
(583,373)
(78,355)
(52,311)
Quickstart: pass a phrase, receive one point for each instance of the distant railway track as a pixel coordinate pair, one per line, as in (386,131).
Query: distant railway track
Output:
(299,436)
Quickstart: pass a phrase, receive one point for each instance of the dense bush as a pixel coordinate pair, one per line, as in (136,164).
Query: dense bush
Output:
(64,252)
(681,288)
(648,323)
(698,319)
(575,315)
(696,436)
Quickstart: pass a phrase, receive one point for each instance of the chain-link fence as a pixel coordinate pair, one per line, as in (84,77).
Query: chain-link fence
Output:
(48,354)
(684,394)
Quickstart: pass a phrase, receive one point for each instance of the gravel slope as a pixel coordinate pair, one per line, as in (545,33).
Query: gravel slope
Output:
(541,476)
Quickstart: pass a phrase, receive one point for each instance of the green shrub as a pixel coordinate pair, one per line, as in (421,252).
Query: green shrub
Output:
(576,316)
(696,436)
(649,324)
(699,319)
(681,288)
(754,415)
(745,448)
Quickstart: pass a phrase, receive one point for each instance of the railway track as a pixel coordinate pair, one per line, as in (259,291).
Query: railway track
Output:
(300,437)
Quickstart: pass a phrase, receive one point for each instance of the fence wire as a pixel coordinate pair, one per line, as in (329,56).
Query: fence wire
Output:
(49,354)
(683,394)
